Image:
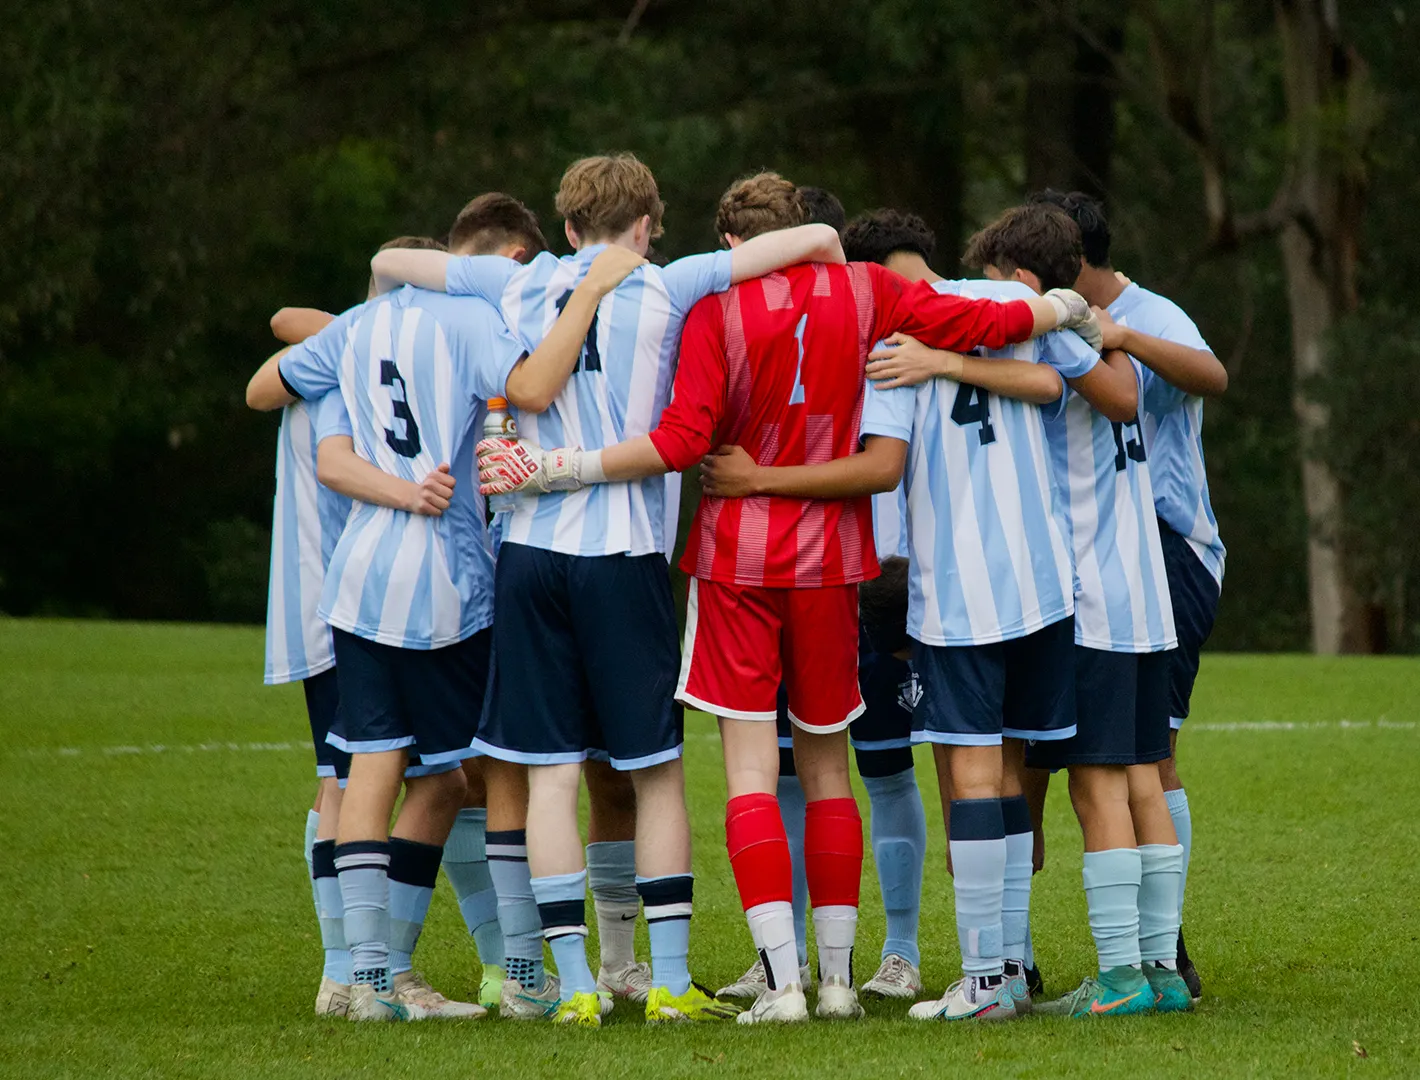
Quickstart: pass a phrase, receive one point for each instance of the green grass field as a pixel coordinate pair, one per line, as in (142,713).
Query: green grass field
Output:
(159,921)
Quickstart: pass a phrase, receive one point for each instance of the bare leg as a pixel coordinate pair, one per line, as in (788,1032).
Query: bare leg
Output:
(554,841)
(370,795)
(612,799)
(430,805)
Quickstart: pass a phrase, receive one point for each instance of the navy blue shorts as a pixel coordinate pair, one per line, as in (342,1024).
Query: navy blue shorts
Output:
(890,692)
(1123,712)
(586,655)
(975,695)
(425,701)
(322,703)
(1195,606)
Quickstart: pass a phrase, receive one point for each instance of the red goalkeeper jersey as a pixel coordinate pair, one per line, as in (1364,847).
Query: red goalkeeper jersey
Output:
(775,365)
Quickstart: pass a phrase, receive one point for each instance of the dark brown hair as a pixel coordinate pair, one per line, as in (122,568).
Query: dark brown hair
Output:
(759,204)
(1037,237)
(873,236)
(493,220)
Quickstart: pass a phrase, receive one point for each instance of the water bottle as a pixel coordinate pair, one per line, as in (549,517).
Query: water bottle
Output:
(499,424)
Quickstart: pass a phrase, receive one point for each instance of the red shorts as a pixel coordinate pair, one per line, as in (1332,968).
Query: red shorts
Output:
(742,640)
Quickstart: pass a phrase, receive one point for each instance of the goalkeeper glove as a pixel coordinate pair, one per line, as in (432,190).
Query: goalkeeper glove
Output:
(1072,312)
(508,465)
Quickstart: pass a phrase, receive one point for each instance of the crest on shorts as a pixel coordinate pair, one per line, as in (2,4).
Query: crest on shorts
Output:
(909,692)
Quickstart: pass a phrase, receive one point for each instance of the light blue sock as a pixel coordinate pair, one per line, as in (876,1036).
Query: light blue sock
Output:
(517,910)
(312,823)
(899,836)
(1112,898)
(363,869)
(332,912)
(792,809)
(668,905)
(1183,825)
(611,873)
(1160,867)
(562,906)
(978,846)
(414,868)
(1015,897)
(466,864)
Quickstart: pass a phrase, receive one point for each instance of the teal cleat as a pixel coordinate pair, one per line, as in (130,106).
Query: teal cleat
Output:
(1171,993)
(1120,991)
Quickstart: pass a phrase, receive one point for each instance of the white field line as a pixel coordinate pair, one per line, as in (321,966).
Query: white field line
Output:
(183,749)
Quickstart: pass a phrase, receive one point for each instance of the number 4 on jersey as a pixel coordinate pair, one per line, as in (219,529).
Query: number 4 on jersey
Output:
(973,406)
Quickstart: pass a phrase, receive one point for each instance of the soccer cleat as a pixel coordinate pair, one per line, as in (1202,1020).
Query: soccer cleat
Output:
(1120,991)
(1171,993)
(424,1002)
(333,998)
(490,987)
(1035,985)
(1019,985)
(783,1006)
(584,1010)
(896,978)
(696,1004)
(969,998)
(516,1003)
(630,981)
(1188,972)
(837,1000)
(368,1005)
(753,982)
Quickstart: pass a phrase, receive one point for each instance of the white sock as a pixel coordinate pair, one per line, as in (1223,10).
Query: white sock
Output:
(772,925)
(835,926)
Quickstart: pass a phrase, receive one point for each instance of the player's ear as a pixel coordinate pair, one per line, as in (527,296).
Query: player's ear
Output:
(571,235)
(732,241)
(642,235)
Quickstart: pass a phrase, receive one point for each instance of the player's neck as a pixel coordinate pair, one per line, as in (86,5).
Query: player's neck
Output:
(911,266)
(1099,285)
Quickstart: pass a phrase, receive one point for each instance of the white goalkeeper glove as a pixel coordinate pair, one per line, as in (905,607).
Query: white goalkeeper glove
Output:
(1072,312)
(509,465)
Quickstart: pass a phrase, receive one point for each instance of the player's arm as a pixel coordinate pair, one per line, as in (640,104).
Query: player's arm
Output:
(1194,371)
(1111,387)
(905,361)
(294,324)
(339,468)
(772,251)
(267,390)
(422,268)
(536,381)
(731,473)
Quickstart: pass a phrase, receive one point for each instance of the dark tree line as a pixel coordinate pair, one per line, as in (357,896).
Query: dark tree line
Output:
(172,173)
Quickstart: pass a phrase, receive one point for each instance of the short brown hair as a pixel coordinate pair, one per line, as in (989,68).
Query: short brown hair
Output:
(759,204)
(603,196)
(493,220)
(418,243)
(1037,237)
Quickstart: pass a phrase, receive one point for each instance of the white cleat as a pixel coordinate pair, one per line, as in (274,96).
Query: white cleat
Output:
(837,1000)
(333,998)
(515,1003)
(414,992)
(630,981)
(1020,989)
(786,1006)
(366,1005)
(968,999)
(896,978)
(753,982)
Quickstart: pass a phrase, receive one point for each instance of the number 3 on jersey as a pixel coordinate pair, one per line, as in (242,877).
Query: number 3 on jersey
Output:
(408,445)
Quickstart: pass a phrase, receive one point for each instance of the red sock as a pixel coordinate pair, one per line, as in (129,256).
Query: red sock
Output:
(759,850)
(833,852)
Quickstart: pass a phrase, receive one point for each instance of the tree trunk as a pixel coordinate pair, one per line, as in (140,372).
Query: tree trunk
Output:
(1326,90)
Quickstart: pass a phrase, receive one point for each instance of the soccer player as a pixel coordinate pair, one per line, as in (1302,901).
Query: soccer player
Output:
(586,631)
(1179,372)
(410,601)
(778,365)
(1124,628)
(990,615)
(307,517)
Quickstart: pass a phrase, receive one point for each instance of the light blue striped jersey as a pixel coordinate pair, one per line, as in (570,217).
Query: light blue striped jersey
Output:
(890,522)
(1102,473)
(306,522)
(414,370)
(1173,429)
(989,560)
(621,384)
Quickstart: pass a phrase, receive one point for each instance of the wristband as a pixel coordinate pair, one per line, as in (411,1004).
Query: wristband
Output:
(591,471)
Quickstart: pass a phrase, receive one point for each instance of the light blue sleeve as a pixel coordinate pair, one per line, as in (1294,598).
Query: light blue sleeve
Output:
(1165,319)
(496,356)
(311,368)
(1067,352)
(485,276)
(889,412)
(691,279)
(330,417)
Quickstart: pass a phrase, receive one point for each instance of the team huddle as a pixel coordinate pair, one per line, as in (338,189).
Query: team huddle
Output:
(967,513)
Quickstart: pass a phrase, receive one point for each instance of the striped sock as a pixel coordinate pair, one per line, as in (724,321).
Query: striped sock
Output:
(668,905)
(562,907)
(363,870)
(414,869)
(517,909)
(978,846)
